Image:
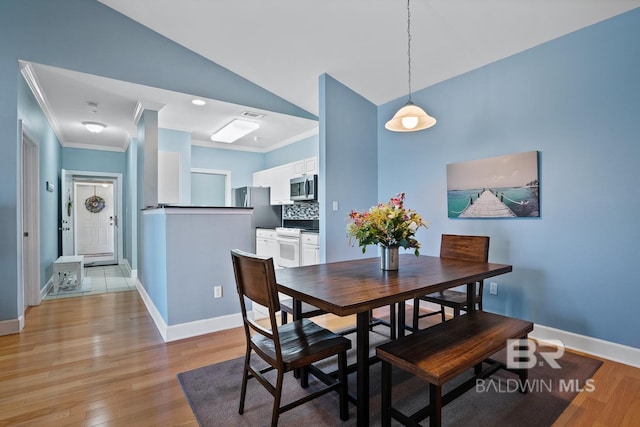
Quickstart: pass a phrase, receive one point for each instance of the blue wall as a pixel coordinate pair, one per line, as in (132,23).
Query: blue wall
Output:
(348,165)
(242,163)
(303,149)
(94,160)
(577,101)
(37,128)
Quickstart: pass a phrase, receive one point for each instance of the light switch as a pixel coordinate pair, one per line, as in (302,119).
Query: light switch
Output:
(335,205)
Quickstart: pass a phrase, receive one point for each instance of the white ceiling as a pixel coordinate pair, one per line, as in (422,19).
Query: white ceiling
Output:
(284,45)
(67,94)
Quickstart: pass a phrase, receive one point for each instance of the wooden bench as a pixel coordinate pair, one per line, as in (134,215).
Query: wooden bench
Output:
(442,352)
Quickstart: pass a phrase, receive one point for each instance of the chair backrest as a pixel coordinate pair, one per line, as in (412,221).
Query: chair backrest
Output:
(469,248)
(256,281)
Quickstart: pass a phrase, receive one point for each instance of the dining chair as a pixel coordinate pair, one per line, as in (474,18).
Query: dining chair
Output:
(469,248)
(284,348)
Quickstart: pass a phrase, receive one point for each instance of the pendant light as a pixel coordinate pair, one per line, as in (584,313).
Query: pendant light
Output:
(410,118)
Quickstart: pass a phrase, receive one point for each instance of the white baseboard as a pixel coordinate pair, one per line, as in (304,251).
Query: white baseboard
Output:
(130,272)
(153,311)
(189,329)
(11,326)
(201,327)
(594,346)
(47,287)
(582,343)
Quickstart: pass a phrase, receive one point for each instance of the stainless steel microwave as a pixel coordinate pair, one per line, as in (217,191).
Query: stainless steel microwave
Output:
(304,188)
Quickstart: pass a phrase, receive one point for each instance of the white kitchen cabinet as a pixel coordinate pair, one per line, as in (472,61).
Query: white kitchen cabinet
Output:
(261,179)
(310,249)
(311,166)
(278,178)
(266,244)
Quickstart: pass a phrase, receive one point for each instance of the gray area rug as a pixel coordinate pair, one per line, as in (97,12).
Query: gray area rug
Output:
(214,391)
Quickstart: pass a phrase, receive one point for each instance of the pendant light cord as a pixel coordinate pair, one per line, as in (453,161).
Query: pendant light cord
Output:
(409,45)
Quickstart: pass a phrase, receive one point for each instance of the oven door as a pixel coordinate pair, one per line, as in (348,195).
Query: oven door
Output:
(288,251)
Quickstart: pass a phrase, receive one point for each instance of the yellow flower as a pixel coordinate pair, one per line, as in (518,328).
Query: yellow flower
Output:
(387,224)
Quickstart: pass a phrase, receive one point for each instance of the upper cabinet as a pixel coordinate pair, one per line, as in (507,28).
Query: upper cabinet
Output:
(278,178)
(306,167)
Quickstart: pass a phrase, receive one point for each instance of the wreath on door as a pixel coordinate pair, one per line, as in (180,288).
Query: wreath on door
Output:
(94,203)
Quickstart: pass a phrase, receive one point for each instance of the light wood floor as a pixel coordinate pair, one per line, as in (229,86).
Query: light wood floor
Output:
(99,360)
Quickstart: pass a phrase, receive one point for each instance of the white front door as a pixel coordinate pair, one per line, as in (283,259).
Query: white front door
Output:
(95,219)
(96,235)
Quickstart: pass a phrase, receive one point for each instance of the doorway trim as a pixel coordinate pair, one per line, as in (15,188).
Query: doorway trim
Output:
(70,176)
(29,201)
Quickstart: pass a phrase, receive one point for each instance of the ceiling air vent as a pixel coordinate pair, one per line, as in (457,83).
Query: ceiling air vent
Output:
(251,115)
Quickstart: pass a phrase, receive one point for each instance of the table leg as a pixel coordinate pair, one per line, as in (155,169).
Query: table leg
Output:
(471,296)
(401,319)
(362,356)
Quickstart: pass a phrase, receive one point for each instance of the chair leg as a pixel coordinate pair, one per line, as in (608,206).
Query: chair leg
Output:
(283,316)
(456,311)
(416,313)
(386,394)
(392,321)
(344,387)
(245,378)
(443,314)
(276,399)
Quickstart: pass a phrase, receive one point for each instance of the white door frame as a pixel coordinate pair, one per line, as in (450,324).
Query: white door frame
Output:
(29,228)
(227,181)
(67,190)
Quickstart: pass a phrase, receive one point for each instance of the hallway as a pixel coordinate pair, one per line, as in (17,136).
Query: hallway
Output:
(98,280)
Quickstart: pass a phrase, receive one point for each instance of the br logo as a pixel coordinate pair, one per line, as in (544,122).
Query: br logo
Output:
(521,353)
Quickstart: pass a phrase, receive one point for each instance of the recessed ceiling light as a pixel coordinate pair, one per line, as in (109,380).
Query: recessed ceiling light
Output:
(234,130)
(198,102)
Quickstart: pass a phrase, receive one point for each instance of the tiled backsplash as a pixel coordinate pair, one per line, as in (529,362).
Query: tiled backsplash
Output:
(301,210)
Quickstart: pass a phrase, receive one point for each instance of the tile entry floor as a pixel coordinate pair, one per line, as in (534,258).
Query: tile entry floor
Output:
(100,280)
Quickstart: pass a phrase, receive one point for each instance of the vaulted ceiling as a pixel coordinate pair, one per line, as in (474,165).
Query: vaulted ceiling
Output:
(284,45)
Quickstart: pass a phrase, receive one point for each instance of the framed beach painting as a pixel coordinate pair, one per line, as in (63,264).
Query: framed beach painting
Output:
(497,187)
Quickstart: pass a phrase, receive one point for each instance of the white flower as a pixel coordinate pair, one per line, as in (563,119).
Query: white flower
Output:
(413,226)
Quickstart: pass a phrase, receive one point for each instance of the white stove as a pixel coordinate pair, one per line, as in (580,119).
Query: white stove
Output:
(289,244)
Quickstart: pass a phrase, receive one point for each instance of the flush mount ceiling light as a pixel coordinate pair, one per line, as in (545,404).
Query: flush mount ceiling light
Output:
(94,127)
(234,130)
(410,118)
(198,102)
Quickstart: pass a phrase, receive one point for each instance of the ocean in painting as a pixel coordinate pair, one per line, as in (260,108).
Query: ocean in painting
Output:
(523,201)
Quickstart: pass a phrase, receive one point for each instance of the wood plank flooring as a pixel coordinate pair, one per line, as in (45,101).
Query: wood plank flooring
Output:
(100,361)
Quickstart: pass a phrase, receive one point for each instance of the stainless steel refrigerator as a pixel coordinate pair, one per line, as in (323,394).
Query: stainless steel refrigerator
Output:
(264,214)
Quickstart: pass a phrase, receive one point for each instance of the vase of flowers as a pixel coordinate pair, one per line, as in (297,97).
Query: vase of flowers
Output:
(389,225)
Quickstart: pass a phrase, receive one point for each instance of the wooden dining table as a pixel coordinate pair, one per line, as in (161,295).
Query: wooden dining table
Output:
(358,286)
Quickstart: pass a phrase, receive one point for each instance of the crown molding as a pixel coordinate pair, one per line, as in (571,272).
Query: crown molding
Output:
(32,81)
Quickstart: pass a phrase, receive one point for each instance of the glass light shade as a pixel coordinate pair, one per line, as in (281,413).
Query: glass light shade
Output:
(410,118)
(234,130)
(94,127)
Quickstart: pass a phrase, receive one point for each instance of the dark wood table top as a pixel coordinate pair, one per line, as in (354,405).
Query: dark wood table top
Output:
(354,286)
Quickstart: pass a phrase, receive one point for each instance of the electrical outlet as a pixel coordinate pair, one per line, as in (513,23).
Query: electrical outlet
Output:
(217,291)
(493,288)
